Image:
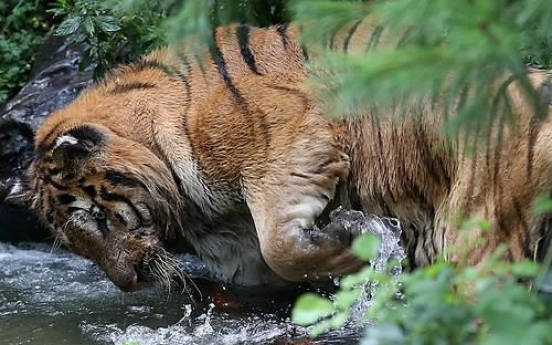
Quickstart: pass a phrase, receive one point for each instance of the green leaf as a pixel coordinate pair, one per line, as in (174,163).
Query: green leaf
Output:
(357,278)
(338,320)
(310,308)
(542,205)
(345,298)
(68,26)
(525,269)
(107,24)
(367,246)
(319,328)
(88,24)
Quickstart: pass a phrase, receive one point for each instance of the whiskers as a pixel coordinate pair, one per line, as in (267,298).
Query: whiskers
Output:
(58,241)
(166,269)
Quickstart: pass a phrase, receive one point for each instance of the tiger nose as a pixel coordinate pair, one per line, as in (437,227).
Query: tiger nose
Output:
(127,281)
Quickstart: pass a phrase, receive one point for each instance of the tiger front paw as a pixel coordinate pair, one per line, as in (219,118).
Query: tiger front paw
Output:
(344,227)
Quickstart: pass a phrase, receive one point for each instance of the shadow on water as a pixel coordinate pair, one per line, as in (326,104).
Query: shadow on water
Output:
(58,298)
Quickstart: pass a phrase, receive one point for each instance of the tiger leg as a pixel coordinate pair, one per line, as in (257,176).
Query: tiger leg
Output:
(286,202)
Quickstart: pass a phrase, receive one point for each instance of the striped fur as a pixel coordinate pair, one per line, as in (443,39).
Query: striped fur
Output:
(221,146)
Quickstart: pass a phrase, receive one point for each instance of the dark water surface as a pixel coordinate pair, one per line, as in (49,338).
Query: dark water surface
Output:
(58,298)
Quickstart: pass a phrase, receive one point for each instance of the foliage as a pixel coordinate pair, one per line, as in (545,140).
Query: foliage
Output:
(110,34)
(112,31)
(23,24)
(107,27)
(442,47)
(445,304)
(201,17)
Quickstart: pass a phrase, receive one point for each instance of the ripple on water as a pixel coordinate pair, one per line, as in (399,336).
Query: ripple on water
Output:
(59,298)
(208,328)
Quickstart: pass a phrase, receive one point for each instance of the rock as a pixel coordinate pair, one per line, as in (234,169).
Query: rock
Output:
(55,82)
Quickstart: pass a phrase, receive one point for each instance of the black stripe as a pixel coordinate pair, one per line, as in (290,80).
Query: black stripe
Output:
(331,43)
(534,127)
(305,52)
(119,178)
(50,210)
(405,38)
(121,219)
(151,64)
(185,78)
(56,185)
(90,191)
(38,187)
(296,174)
(527,247)
(473,168)
(54,171)
(218,59)
(44,146)
(86,133)
(66,199)
(376,129)
(304,99)
(242,33)
(166,161)
(545,244)
(281,29)
(322,166)
(265,131)
(102,226)
(286,89)
(107,196)
(374,38)
(69,176)
(525,236)
(350,34)
(73,209)
(118,89)
(510,255)
(192,148)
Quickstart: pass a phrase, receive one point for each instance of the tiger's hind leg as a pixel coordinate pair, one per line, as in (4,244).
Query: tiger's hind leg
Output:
(298,183)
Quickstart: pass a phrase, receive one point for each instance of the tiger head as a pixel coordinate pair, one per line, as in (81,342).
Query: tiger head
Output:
(107,198)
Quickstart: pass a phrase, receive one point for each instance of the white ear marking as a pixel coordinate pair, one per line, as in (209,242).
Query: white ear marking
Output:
(65,139)
(17,188)
(17,191)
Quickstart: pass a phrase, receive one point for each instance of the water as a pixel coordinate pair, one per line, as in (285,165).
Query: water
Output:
(58,298)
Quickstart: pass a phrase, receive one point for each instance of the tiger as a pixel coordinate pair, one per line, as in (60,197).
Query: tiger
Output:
(225,148)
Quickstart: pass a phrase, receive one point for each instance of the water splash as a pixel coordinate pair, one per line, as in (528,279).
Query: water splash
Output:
(209,328)
(390,253)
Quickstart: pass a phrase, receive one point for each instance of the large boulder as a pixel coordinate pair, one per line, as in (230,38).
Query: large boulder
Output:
(55,82)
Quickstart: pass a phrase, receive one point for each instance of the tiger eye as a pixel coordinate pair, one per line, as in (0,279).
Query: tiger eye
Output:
(99,215)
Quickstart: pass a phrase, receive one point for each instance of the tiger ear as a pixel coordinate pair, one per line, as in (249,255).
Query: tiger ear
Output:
(74,147)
